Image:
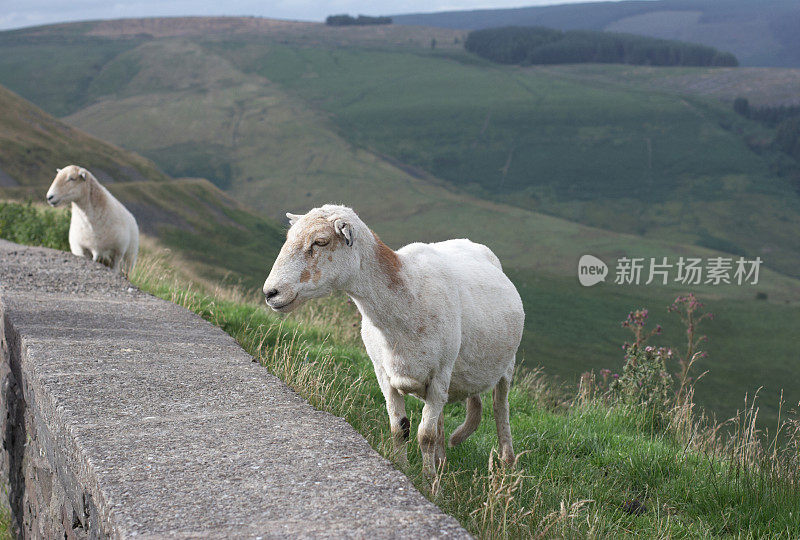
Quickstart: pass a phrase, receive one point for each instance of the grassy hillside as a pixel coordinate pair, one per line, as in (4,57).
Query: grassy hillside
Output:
(62,68)
(289,126)
(619,157)
(758,33)
(763,86)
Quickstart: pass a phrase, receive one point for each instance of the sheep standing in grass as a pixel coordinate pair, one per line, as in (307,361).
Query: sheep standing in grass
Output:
(439,321)
(101,227)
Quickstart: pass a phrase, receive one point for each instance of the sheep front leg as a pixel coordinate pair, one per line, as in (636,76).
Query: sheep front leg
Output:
(398,421)
(399,424)
(429,435)
(117,262)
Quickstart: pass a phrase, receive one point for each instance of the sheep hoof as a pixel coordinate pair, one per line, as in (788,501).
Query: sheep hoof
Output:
(401,460)
(508,457)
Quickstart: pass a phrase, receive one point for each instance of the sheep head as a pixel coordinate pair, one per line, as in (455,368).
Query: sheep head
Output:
(318,257)
(68,185)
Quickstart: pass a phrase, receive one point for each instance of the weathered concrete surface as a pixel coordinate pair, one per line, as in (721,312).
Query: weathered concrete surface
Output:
(129,416)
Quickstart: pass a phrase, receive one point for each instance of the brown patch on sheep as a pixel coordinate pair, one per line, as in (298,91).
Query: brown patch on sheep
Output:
(315,229)
(389,262)
(310,232)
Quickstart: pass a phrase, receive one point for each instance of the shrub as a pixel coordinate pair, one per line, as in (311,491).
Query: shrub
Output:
(32,225)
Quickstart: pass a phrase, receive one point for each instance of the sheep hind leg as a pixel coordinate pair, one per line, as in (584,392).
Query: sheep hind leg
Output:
(501,418)
(116,263)
(471,421)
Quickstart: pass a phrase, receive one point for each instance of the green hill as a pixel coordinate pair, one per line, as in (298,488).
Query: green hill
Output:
(760,33)
(621,157)
(539,164)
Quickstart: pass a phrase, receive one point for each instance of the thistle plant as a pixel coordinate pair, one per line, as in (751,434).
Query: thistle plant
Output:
(636,322)
(690,310)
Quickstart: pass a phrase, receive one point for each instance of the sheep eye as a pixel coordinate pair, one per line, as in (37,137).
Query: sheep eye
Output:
(321,242)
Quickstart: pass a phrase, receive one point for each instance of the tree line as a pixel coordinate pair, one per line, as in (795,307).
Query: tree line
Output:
(784,118)
(539,45)
(361,20)
(769,115)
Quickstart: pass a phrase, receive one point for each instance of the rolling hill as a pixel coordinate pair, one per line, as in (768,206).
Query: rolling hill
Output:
(33,143)
(762,33)
(543,165)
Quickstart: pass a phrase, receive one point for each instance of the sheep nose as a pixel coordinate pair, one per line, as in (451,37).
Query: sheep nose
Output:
(270,294)
(50,197)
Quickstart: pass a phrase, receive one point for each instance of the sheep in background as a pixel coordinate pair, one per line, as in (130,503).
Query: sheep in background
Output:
(101,227)
(439,321)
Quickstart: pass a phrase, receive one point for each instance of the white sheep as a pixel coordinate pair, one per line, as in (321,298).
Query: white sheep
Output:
(439,321)
(101,227)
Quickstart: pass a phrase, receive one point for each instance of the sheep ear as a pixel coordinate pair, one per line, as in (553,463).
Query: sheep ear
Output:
(82,174)
(58,171)
(344,228)
(292,218)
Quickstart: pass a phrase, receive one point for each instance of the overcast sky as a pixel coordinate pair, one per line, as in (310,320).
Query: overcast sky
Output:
(19,13)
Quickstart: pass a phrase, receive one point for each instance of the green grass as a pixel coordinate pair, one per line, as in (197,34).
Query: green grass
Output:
(221,239)
(5,524)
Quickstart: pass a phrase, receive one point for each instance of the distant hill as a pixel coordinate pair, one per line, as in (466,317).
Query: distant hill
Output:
(758,33)
(33,143)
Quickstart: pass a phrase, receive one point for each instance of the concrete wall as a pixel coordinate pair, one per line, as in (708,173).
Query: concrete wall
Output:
(124,415)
